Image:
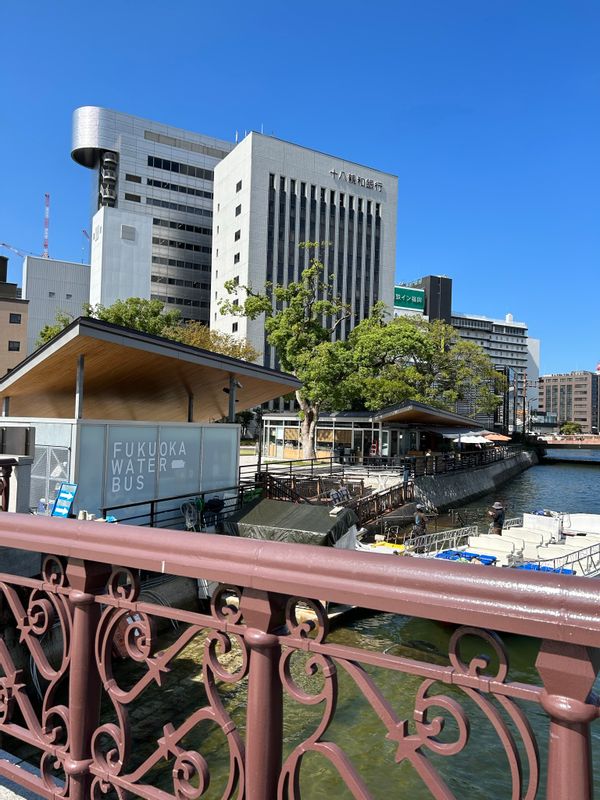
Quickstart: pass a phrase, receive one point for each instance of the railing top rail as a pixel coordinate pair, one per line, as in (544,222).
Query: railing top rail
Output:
(558,607)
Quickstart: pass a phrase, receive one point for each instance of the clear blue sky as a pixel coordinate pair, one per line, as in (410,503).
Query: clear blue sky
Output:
(487,110)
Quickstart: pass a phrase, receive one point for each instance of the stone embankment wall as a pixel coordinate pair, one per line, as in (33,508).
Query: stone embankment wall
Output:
(454,488)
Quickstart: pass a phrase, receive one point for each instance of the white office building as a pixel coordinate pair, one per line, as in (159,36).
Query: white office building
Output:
(152,208)
(52,286)
(510,350)
(270,196)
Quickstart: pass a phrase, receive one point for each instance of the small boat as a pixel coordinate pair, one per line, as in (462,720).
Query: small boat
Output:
(545,541)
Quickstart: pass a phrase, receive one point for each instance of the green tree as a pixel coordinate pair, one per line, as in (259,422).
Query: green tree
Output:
(48,332)
(244,418)
(197,334)
(136,313)
(301,320)
(411,358)
(141,315)
(570,428)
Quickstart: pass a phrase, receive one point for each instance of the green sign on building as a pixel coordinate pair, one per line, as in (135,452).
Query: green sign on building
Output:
(409,298)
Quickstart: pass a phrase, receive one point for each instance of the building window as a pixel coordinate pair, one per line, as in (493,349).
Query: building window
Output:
(237,235)
(14,346)
(234,327)
(69,296)
(238,210)
(15,319)
(133,178)
(238,186)
(236,258)
(135,198)
(51,294)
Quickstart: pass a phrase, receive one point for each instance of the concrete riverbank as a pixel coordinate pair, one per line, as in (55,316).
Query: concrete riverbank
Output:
(451,489)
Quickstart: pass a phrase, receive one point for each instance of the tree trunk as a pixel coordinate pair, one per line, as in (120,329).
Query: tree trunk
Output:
(308,424)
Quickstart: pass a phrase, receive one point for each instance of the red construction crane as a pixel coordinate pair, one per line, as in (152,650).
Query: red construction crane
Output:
(46,224)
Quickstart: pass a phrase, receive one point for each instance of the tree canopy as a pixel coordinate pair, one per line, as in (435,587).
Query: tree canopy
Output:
(408,357)
(197,334)
(383,362)
(570,428)
(150,316)
(301,321)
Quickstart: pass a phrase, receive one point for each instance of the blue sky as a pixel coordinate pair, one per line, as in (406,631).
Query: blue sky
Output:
(487,110)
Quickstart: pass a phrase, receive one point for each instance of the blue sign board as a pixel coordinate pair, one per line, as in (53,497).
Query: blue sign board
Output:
(64,500)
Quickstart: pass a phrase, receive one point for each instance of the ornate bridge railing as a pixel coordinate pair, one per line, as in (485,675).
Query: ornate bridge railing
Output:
(110,695)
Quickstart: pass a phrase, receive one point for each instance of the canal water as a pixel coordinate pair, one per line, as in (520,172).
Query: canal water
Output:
(480,771)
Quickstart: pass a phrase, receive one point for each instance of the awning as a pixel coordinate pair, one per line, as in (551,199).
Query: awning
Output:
(497,437)
(472,438)
(452,433)
(131,375)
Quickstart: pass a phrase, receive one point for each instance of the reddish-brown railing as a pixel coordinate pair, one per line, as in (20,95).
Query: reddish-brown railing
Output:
(89,726)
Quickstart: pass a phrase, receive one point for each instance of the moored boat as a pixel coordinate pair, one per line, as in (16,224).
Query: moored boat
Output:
(546,542)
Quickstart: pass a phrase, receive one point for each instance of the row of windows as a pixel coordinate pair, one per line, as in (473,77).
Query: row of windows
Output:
(175,187)
(181,169)
(181,226)
(203,212)
(179,282)
(175,262)
(67,296)
(353,202)
(197,248)
(184,144)
(180,301)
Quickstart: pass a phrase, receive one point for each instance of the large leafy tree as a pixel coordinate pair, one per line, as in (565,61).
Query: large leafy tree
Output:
(411,358)
(197,334)
(301,320)
(141,315)
(150,316)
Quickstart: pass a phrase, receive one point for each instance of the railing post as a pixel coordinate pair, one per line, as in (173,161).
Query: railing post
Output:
(568,672)
(263,614)
(85,578)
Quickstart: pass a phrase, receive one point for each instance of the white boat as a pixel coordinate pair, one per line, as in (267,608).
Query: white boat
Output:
(550,542)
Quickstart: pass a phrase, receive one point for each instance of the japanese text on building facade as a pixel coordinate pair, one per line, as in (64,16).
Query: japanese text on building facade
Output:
(358,180)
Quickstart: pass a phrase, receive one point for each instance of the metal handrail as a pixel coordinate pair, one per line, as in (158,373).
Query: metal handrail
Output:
(90,584)
(429,543)
(414,587)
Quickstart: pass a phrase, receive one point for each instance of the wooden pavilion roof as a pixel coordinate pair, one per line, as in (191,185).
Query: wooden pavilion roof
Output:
(130,375)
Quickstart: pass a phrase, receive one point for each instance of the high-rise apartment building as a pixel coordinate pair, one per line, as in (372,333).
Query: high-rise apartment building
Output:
(52,286)
(272,195)
(152,208)
(572,397)
(511,351)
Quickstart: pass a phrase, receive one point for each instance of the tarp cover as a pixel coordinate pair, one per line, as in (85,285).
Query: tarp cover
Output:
(283,521)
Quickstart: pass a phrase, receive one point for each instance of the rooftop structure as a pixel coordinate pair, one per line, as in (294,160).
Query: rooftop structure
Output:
(96,370)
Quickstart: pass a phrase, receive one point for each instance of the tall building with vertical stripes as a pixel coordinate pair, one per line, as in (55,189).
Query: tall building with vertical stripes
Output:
(271,195)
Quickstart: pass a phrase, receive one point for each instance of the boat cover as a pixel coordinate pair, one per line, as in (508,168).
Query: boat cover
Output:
(284,521)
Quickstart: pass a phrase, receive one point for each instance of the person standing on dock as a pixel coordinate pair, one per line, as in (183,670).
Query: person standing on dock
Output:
(420,526)
(497,515)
